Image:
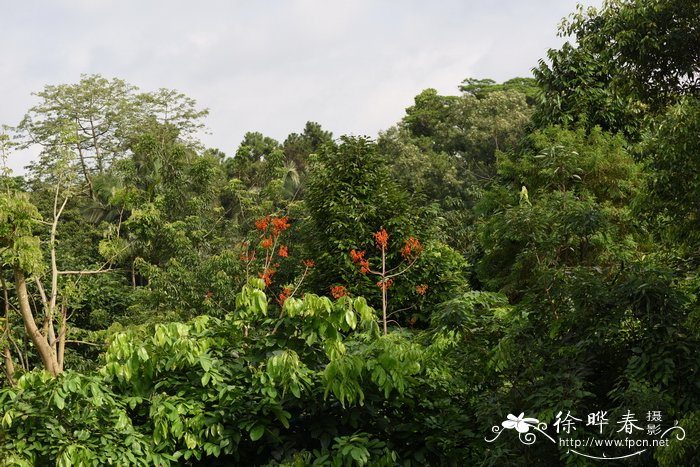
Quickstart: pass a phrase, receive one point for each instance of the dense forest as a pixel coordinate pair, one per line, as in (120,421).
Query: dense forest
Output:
(528,247)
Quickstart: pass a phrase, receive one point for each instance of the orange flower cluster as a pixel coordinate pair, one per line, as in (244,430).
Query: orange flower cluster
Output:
(359,257)
(411,248)
(421,289)
(279,224)
(266,242)
(382,239)
(309,263)
(385,284)
(270,228)
(338,291)
(284,295)
(266,275)
(261,224)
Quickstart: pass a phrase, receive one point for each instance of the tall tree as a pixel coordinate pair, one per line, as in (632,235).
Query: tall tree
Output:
(84,118)
(630,59)
(94,118)
(298,147)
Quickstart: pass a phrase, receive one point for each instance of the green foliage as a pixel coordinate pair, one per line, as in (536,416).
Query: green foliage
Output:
(592,162)
(631,60)
(680,451)
(487,117)
(349,196)
(578,186)
(232,389)
(238,382)
(74,419)
(490,123)
(670,149)
(90,116)
(576,90)
(18,218)
(573,260)
(650,45)
(483,87)
(430,116)
(298,147)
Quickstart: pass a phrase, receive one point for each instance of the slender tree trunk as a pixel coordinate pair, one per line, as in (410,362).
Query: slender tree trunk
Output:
(62,332)
(9,366)
(384,287)
(45,351)
(7,355)
(50,307)
(82,163)
(98,154)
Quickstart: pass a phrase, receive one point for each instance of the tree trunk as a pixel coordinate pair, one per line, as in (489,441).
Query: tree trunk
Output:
(83,165)
(7,355)
(9,366)
(62,331)
(98,154)
(46,352)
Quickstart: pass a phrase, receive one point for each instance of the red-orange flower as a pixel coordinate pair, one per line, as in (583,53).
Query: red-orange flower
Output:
(283,251)
(284,295)
(266,276)
(382,239)
(280,224)
(338,291)
(266,243)
(261,224)
(364,266)
(357,256)
(421,289)
(412,247)
(385,284)
(309,263)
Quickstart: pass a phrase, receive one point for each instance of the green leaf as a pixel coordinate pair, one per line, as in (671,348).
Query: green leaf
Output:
(58,400)
(261,301)
(358,454)
(205,378)
(350,318)
(143,354)
(257,432)
(7,419)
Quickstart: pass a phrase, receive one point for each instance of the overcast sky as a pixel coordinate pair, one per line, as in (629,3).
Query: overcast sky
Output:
(272,65)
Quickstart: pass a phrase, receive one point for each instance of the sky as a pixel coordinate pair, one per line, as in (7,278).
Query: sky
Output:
(272,65)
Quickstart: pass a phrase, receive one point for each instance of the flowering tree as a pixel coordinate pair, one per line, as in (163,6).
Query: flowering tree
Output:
(410,252)
(270,229)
